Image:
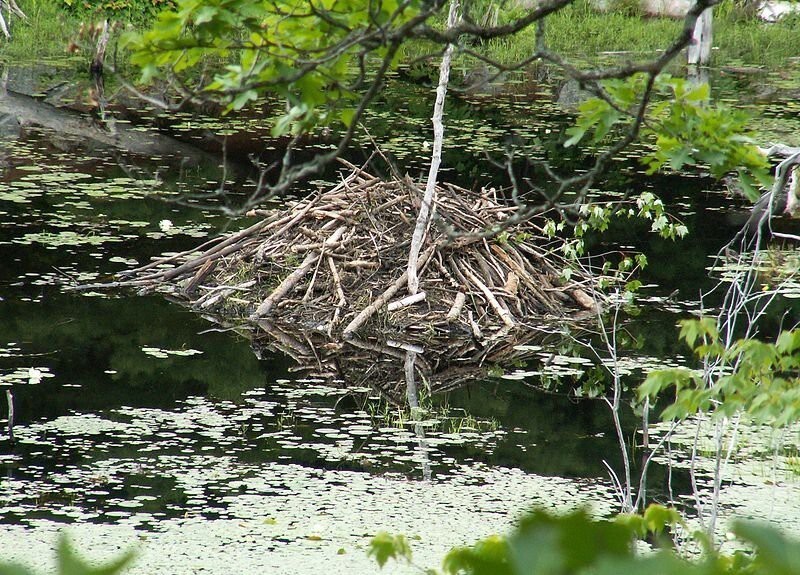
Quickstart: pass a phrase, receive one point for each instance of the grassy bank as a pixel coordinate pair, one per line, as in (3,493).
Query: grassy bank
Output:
(582,32)
(577,31)
(57,28)
(45,35)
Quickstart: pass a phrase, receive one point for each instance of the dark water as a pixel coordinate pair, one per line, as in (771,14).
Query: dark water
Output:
(120,398)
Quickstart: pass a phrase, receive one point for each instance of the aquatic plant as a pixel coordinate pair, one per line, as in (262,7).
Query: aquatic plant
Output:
(547,544)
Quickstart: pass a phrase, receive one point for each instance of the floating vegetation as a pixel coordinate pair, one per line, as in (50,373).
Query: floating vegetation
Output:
(140,466)
(24,376)
(778,269)
(290,471)
(165,353)
(760,461)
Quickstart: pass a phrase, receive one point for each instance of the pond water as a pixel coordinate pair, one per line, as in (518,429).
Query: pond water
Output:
(138,422)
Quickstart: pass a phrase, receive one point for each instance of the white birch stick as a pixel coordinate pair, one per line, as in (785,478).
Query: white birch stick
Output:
(423,218)
(406,301)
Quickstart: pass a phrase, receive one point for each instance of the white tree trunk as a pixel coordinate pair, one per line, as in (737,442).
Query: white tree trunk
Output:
(700,48)
(428,200)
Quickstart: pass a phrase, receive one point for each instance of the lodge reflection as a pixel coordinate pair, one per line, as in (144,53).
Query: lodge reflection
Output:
(440,363)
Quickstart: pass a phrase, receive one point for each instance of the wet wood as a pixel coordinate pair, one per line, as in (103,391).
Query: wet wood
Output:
(455,310)
(10,403)
(381,301)
(699,52)
(99,60)
(499,309)
(201,275)
(332,263)
(290,282)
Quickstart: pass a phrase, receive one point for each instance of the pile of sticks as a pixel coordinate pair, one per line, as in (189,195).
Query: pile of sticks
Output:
(335,263)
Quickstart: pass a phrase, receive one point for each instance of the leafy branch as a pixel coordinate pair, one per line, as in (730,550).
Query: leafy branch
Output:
(761,379)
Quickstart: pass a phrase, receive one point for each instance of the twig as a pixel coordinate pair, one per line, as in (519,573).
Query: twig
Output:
(458,305)
(429,198)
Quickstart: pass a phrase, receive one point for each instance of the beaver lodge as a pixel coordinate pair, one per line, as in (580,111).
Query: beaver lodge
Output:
(330,270)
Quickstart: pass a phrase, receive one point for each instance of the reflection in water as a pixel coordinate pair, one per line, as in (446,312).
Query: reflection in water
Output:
(443,361)
(413,403)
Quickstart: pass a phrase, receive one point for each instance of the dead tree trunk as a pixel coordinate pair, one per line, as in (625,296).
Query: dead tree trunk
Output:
(98,62)
(428,199)
(699,53)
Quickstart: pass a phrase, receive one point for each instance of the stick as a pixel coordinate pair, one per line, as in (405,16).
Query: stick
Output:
(370,310)
(405,346)
(337,286)
(583,299)
(699,50)
(476,329)
(201,274)
(500,310)
(406,301)
(457,306)
(100,51)
(315,246)
(288,284)
(298,216)
(310,288)
(265,224)
(189,266)
(218,292)
(429,199)
(354,264)
(287,340)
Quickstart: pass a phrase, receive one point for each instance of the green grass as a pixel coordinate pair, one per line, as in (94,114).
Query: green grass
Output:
(578,31)
(45,35)
(54,30)
(756,43)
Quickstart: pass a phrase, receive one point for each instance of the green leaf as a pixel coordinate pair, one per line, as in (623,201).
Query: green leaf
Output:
(566,544)
(661,379)
(346,116)
(633,286)
(577,134)
(69,563)
(657,518)
(205,14)
(699,93)
(694,329)
(242,99)
(488,556)
(385,546)
(9,569)
(788,341)
(775,553)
